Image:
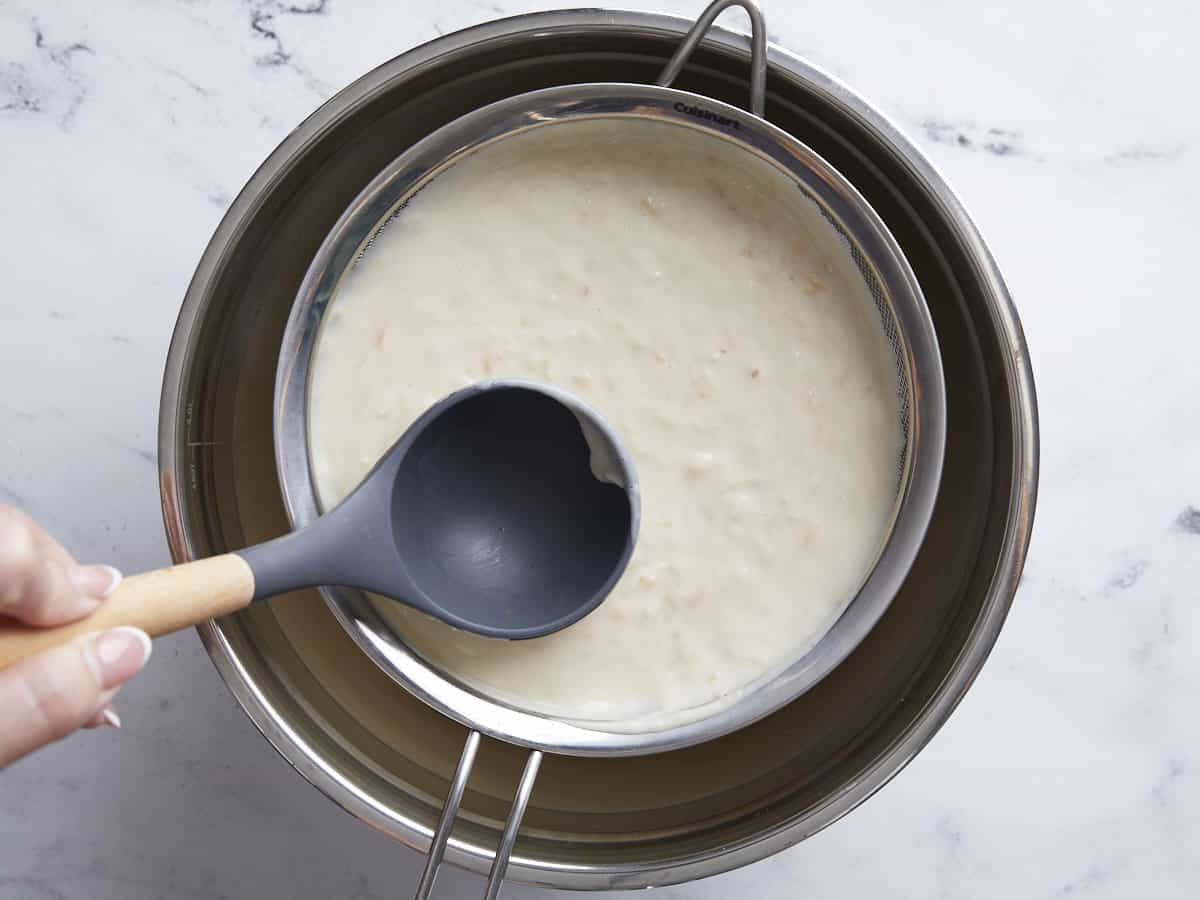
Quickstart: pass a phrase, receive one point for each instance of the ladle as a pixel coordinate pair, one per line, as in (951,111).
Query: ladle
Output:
(509,509)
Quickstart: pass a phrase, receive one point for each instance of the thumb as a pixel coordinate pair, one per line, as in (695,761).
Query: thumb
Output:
(50,694)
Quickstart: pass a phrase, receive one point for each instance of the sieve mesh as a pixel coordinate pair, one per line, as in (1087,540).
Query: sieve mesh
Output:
(902,320)
(891,331)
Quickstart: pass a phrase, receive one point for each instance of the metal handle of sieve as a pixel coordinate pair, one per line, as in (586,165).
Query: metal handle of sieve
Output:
(450,811)
(758,49)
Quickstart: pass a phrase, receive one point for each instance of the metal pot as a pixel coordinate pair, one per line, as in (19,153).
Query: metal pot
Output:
(593,823)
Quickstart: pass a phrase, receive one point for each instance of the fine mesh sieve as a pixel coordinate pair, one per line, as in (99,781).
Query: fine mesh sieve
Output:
(904,320)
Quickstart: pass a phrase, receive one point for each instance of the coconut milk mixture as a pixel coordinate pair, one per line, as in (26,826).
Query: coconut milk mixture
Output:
(698,301)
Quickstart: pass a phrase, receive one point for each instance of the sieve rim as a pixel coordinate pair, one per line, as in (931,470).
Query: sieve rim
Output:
(839,201)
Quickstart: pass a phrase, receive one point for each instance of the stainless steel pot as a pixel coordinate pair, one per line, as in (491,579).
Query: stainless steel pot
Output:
(594,823)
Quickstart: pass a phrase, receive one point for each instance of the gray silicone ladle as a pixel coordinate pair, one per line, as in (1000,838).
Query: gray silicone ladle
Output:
(508,509)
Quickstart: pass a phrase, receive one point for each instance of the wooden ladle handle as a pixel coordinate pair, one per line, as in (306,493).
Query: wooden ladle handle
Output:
(158,602)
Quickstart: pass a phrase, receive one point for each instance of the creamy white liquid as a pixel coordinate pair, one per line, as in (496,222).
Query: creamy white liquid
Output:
(700,303)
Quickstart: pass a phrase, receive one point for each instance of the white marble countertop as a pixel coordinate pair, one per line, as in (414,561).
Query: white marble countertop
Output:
(1071,769)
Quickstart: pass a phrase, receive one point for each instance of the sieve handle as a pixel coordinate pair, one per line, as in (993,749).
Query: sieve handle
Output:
(758,49)
(508,838)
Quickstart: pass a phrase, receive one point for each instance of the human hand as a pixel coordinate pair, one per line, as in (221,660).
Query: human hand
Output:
(51,694)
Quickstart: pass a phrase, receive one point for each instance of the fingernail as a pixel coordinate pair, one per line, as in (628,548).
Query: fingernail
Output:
(111,717)
(95,581)
(118,654)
